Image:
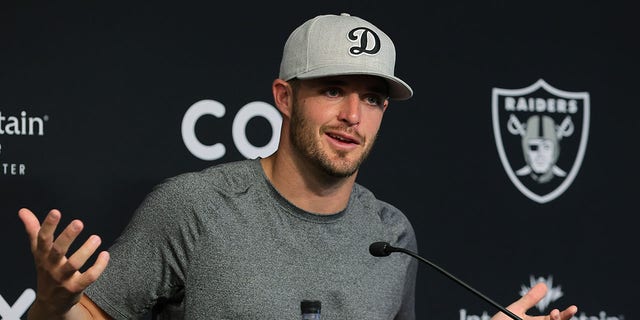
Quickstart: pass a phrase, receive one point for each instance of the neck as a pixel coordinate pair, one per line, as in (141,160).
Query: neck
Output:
(308,187)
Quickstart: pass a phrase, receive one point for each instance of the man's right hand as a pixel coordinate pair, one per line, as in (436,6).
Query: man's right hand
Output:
(60,282)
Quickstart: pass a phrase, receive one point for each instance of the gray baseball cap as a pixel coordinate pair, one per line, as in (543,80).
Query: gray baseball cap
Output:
(333,45)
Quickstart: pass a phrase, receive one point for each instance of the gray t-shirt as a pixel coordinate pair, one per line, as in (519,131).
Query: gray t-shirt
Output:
(222,243)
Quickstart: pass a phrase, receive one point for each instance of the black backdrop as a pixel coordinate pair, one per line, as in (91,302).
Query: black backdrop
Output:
(109,82)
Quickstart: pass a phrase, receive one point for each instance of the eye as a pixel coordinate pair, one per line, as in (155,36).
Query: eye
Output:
(375,100)
(332,92)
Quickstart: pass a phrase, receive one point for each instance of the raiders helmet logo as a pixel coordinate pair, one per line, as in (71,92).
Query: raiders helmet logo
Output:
(541,134)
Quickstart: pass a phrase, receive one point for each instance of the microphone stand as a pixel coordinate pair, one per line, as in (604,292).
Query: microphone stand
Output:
(460,282)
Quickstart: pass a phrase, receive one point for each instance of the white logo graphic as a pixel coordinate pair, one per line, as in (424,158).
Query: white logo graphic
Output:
(19,308)
(542,132)
(22,126)
(15,127)
(553,293)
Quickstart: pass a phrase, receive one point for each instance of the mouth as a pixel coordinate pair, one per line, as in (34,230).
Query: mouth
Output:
(343,138)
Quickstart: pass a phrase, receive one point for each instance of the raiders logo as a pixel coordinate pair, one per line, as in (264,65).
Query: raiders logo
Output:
(541,134)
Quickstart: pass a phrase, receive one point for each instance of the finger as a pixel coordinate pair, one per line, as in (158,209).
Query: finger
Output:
(92,274)
(529,299)
(31,226)
(568,313)
(49,225)
(63,242)
(78,259)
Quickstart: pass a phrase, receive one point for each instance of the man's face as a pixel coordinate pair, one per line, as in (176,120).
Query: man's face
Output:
(335,120)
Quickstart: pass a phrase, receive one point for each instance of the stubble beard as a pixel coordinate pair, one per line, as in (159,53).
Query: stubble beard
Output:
(304,140)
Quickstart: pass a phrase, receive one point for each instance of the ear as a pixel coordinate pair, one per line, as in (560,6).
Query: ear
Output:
(282,96)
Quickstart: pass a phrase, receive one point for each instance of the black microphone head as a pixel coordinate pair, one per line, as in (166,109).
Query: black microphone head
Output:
(380,249)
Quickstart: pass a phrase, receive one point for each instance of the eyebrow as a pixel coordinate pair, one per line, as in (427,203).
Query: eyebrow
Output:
(379,89)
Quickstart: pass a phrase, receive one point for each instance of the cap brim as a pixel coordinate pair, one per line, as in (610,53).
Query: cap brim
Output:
(398,89)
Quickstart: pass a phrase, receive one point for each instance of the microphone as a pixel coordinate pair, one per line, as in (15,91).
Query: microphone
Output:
(383,249)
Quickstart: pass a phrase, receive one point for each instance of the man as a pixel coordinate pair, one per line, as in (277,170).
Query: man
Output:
(252,239)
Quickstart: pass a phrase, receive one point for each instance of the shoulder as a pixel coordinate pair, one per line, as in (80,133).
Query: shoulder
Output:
(393,220)
(189,199)
(203,189)
(232,177)
(384,210)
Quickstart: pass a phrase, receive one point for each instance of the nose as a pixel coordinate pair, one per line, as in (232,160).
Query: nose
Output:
(350,109)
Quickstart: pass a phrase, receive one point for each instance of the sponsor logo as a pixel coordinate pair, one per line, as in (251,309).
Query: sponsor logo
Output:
(541,135)
(554,293)
(21,125)
(242,143)
(19,308)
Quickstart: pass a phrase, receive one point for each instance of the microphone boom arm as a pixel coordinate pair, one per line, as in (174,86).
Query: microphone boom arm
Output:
(460,282)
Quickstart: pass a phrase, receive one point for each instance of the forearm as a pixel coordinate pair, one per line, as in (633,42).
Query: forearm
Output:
(40,311)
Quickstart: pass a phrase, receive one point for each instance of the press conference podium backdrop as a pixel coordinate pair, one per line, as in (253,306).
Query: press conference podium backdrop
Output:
(516,160)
